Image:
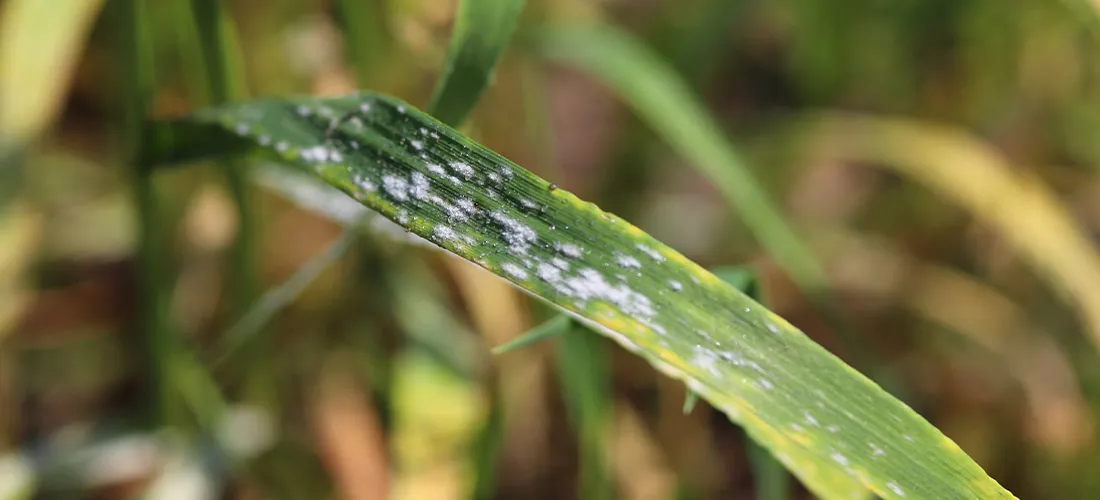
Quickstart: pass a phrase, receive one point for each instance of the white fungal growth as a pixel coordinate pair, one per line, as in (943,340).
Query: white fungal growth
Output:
(401,109)
(840,459)
(765,384)
(876,450)
(560,263)
(396,187)
(506,172)
(463,169)
(833,428)
(895,488)
(444,233)
(517,234)
(653,254)
(772,328)
(320,154)
(241,129)
(421,188)
(627,261)
(569,250)
(590,284)
(365,107)
(302,110)
(417,145)
(528,204)
(514,271)
(495,177)
(436,169)
(548,272)
(705,359)
(676,286)
(282,146)
(264,140)
(402,216)
(810,419)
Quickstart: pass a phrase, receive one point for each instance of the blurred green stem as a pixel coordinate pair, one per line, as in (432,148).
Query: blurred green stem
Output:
(154,333)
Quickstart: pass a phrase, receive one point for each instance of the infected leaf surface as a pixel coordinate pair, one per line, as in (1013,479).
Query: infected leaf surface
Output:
(837,431)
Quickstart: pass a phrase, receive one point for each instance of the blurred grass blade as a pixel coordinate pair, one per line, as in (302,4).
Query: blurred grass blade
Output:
(552,327)
(836,430)
(277,298)
(1025,212)
(481,32)
(690,400)
(584,372)
(663,100)
(40,43)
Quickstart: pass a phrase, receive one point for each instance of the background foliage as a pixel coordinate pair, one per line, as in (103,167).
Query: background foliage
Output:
(939,157)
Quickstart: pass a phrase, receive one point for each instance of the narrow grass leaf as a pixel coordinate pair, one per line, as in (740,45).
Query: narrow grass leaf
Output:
(690,400)
(971,173)
(277,298)
(552,327)
(666,103)
(481,32)
(836,430)
(40,44)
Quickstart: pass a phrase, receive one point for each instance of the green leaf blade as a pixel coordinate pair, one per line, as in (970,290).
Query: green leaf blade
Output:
(832,427)
(482,31)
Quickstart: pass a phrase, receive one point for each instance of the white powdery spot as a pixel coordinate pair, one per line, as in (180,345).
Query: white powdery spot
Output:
(772,328)
(463,169)
(401,109)
(319,154)
(705,359)
(282,146)
(396,187)
(365,107)
(590,284)
(421,188)
(653,254)
(560,263)
(908,438)
(840,459)
(676,286)
(876,450)
(548,272)
(402,216)
(528,204)
(514,271)
(627,261)
(423,131)
(495,177)
(417,145)
(436,169)
(833,428)
(765,384)
(356,122)
(517,234)
(810,419)
(797,427)
(460,212)
(505,172)
(894,487)
(569,250)
(302,111)
(444,233)
(264,140)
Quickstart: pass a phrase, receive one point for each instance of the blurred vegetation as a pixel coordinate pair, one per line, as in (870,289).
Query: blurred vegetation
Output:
(939,157)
